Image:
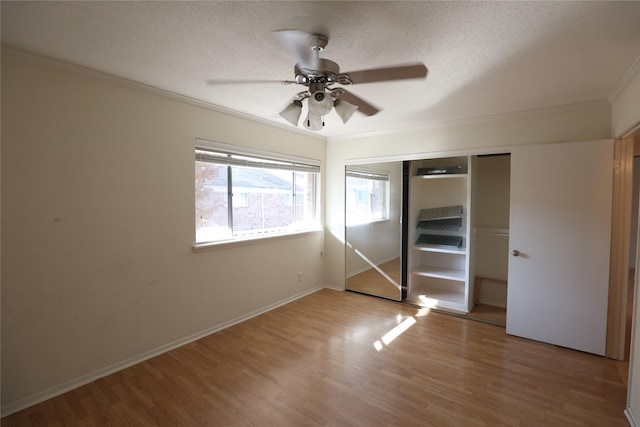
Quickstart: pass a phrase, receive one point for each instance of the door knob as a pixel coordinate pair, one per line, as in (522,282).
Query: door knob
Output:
(515,252)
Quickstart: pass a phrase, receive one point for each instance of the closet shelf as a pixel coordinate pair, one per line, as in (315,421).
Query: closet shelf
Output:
(440,249)
(439,272)
(444,176)
(441,218)
(442,240)
(443,298)
(442,212)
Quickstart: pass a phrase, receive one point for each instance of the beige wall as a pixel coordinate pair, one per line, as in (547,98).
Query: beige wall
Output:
(491,175)
(98,226)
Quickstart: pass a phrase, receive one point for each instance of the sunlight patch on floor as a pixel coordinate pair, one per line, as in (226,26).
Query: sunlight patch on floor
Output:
(423,312)
(394,333)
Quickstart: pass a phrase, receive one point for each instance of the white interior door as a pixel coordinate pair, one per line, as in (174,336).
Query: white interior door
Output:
(560,222)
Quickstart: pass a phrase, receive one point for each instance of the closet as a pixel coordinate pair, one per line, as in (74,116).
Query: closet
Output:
(528,233)
(438,260)
(458,234)
(490,186)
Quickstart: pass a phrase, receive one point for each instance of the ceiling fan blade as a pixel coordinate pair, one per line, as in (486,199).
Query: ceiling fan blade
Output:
(414,71)
(236,81)
(363,106)
(297,42)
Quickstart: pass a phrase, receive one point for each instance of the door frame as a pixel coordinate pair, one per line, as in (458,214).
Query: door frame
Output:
(620,241)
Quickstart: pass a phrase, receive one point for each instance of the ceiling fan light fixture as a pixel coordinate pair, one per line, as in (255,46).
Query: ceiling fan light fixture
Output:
(292,112)
(345,109)
(320,103)
(313,121)
(319,75)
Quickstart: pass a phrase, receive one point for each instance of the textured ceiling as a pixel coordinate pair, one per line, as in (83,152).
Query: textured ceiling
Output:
(484,58)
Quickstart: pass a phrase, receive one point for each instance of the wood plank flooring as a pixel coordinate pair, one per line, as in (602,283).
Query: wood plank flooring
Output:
(313,363)
(373,283)
(489,313)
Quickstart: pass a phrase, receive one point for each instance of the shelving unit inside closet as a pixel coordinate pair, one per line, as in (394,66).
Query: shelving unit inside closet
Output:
(439,234)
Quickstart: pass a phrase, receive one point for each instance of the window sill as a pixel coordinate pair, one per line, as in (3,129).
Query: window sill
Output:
(211,246)
(371,222)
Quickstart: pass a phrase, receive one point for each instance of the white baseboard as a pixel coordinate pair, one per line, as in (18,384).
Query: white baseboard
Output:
(630,418)
(13,407)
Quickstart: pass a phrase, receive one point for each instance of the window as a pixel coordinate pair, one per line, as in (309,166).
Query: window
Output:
(240,200)
(242,195)
(367,196)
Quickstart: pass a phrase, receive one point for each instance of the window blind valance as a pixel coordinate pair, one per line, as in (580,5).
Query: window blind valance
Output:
(234,159)
(374,176)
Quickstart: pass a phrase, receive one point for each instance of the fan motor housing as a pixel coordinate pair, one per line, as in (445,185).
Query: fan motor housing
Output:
(327,71)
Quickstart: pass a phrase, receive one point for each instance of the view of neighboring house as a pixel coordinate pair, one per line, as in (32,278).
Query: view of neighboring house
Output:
(261,202)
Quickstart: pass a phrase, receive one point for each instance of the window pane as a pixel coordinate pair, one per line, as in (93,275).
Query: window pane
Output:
(266,207)
(378,199)
(211,202)
(366,200)
(305,206)
(240,196)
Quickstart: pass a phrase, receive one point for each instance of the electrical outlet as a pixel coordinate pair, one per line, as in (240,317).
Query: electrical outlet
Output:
(300,276)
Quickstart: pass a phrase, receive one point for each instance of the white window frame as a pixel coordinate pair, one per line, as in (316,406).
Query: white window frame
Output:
(370,175)
(235,157)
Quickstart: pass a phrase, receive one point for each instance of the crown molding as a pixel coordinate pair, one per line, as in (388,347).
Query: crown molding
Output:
(466,121)
(624,81)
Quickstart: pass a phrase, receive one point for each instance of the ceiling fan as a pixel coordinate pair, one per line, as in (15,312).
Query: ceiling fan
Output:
(323,81)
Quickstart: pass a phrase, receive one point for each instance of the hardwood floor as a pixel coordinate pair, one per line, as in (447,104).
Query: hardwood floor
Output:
(313,363)
(373,283)
(489,313)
